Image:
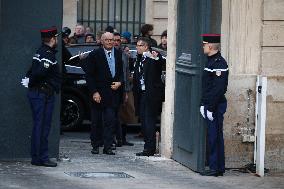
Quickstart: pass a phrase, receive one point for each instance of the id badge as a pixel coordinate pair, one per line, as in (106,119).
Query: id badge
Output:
(142,84)
(143,87)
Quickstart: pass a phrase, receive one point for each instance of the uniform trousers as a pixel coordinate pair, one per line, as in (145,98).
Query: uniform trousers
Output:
(215,138)
(42,107)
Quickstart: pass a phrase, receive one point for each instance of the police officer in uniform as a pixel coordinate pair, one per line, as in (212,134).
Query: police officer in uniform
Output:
(214,103)
(44,81)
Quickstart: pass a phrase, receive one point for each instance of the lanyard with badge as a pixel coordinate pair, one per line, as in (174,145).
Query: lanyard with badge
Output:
(141,72)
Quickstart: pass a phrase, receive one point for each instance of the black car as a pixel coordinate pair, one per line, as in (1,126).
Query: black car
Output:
(75,97)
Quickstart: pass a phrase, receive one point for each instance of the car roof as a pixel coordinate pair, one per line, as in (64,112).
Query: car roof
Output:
(74,49)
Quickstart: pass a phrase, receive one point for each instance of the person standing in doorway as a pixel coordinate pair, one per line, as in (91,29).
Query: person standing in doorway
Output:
(104,76)
(163,44)
(147,32)
(214,103)
(44,81)
(79,35)
(121,124)
(89,38)
(148,90)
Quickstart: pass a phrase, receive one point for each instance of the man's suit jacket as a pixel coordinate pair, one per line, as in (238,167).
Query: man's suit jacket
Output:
(99,78)
(154,87)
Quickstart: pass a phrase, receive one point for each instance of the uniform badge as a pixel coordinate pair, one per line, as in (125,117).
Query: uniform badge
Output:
(218,73)
(46,64)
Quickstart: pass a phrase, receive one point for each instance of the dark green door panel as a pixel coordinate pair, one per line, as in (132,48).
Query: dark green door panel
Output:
(20,22)
(189,130)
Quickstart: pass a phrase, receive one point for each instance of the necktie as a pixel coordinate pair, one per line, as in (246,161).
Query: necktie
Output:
(111,64)
(109,54)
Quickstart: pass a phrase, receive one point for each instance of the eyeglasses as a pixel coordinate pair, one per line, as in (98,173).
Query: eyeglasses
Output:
(108,40)
(118,40)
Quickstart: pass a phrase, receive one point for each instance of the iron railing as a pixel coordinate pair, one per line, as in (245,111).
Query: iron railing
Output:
(123,15)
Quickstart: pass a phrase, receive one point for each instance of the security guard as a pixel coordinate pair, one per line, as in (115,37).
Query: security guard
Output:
(214,103)
(44,81)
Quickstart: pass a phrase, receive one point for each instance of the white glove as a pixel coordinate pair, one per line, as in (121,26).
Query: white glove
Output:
(202,111)
(209,115)
(25,82)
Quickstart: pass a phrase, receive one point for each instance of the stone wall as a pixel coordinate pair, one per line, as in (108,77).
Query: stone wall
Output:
(156,13)
(70,14)
(272,66)
(252,42)
(167,120)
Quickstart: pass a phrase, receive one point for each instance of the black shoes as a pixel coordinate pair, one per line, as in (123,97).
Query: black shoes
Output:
(125,143)
(119,144)
(145,153)
(113,147)
(95,150)
(36,163)
(108,152)
(45,164)
(212,173)
(49,164)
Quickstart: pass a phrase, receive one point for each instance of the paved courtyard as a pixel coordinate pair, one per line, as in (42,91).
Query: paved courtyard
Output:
(107,172)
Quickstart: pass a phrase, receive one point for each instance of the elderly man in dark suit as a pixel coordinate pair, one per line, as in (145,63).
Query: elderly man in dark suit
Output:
(148,90)
(104,75)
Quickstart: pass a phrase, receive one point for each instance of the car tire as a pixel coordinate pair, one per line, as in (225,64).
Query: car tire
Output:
(72,112)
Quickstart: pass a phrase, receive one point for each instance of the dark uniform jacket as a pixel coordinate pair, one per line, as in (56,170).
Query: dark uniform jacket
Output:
(214,82)
(99,78)
(154,87)
(45,69)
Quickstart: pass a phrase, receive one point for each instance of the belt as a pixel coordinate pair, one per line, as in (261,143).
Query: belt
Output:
(48,90)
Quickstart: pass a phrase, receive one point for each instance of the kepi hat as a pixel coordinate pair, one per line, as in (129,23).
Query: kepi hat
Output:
(49,32)
(211,38)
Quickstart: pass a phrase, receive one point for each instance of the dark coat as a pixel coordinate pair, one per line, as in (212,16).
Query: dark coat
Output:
(154,87)
(99,78)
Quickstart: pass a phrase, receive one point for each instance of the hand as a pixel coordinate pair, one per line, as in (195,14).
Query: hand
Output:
(130,78)
(115,85)
(82,55)
(202,111)
(155,55)
(209,115)
(125,97)
(97,97)
(25,82)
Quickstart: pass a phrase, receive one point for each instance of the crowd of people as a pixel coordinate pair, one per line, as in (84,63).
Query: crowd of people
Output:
(121,89)
(84,34)
(129,97)
(116,86)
